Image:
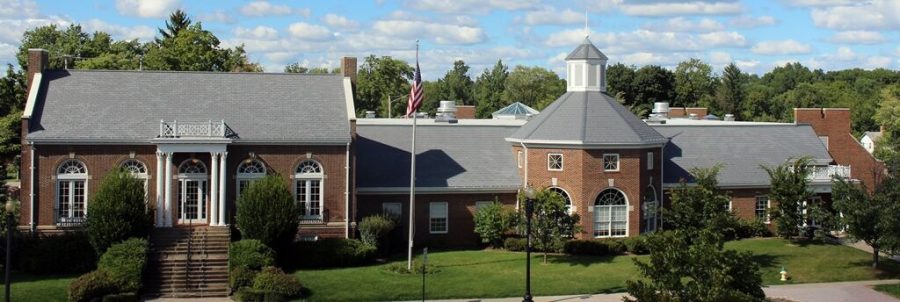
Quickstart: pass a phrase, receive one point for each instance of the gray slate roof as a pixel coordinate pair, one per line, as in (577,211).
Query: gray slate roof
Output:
(588,117)
(586,51)
(127,106)
(449,157)
(740,149)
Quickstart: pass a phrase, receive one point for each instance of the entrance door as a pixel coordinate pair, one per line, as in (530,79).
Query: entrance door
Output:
(192,201)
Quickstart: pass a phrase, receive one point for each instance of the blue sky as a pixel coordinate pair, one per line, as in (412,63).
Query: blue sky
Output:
(756,35)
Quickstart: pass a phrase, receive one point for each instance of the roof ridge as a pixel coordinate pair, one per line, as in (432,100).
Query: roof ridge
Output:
(545,115)
(192,72)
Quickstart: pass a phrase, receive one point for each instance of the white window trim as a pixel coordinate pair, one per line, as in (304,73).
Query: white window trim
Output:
(202,191)
(627,216)
(618,162)
(446,217)
(562,162)
(70,179)
(571,204)
(519,159)
(768,206)
(145,177)
(298,177)
(650,162)
(247,176)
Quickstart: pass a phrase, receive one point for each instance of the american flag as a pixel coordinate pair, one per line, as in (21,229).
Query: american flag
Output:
(416,94)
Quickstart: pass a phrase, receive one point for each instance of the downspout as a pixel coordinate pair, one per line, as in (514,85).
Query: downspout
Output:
(662,183)
(31,190)
(525,166)
(347,192)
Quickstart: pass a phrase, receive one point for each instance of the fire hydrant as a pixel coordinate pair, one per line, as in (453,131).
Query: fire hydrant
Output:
(784,274)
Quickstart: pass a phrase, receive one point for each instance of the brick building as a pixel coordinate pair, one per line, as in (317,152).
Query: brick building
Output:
(197,138)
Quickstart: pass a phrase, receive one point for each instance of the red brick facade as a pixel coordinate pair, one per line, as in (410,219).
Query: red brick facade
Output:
(834,123)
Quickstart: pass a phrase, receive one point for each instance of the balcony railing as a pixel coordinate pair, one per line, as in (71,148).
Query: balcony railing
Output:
(827,173)
(178,129)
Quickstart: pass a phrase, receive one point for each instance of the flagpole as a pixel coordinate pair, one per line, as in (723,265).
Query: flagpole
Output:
(412,181)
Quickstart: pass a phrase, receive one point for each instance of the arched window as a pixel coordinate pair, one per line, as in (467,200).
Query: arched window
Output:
(610,214)
(192,191)
(308,189)
(650,209)
(192,166)
(565,197)
(71,192)
(137,169)
(249,171)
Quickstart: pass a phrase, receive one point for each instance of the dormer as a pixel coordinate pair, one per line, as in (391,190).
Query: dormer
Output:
(586,68)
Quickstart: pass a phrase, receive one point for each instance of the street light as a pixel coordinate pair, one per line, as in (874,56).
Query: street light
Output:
(529,211)
(391,101)
(10,207)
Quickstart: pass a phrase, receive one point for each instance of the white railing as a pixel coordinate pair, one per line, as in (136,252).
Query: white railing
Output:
(177,129)
(827,173)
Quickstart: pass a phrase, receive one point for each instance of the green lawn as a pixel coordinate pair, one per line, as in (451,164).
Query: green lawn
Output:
(38,288)
(484,274)
(890,289)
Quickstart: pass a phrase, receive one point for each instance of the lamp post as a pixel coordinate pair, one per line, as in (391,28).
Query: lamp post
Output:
(10,207)
(529,211)
(391,101)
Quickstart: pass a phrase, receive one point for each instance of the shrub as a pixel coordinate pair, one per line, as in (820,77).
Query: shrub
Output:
(124,297)
(492,222)
(118,211)
(124,263)
(66,253)
(373,230)
(241,276)
(329,252)
(251,254)
(616,245)
(90,286)
(266,212)
(418,268)
(515,244)
(248,294)
(272,279)
(586,247)
(637,245)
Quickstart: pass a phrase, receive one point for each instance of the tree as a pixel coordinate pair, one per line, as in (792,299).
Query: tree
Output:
(888,115)
(380,79)
(788,76)
(196,49)
(873,217)
(489,89)
(693,83)
(266,212)
(295,68)
(731,92)
(693,266)
(177,22)
(492,222)
(620,82)
(456,85)
(551,223)
(533,86)
(699,206)
(790,191)
(118,211)
(653,84)
(12,102)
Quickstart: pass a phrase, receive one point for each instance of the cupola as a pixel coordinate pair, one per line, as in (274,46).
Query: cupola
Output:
(586,68)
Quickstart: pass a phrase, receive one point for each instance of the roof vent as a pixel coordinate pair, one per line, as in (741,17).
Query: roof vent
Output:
(729,117)
(370,114)
(711,117)
(446,112)
(693,116)
(661,110)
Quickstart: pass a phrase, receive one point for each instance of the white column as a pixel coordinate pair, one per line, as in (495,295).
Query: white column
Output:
(160,206)
(223,172)
(168,189)
(214,190)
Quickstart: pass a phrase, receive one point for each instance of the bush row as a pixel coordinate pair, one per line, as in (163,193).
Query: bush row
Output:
(254,278)
(118,273)
(594,247)
(67,253)
(328,252)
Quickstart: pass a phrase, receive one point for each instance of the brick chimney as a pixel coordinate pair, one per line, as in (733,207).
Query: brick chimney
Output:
(465,111)
(38,61)
(348,68)
(832,125)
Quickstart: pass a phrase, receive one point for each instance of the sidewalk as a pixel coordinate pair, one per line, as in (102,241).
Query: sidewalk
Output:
(865,247)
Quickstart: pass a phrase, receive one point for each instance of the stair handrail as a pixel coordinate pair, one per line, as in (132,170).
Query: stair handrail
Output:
(190,241)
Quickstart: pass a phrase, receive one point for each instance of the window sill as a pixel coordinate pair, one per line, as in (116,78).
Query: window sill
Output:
(438,233)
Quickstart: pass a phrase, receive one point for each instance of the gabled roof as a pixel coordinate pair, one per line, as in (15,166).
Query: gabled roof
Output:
(587,118)
(515,109)
(873,135)
(450,157)
(127,106)
(740,149)
(586,51)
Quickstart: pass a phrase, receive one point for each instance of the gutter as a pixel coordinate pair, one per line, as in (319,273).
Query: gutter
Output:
(31,190)
(347,192)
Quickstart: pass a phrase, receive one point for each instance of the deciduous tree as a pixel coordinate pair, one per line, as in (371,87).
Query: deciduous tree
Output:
(489,89)
(551,223)
(536,87)
(693,83)
(700,205)
(873,217)
(380,79)
(789,190)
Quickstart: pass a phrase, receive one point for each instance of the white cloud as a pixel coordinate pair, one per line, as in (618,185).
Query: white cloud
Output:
(308,31)
(877,62)
(817,2)
(470,6)
(751,22)
(719,58)
(146,8)
(781,47)
(686,8)
(682,24)
(438,32)
(857,37)
(140,32)
(218,16)
(263,8)
(877,14)
(647,58)
(338,21)
(843,54)
(258,32)
(643,40)
(747,65)
(11,30)
(18,8)
(549,15)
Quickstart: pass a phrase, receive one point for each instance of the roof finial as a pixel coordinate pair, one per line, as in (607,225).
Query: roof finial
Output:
(587,33)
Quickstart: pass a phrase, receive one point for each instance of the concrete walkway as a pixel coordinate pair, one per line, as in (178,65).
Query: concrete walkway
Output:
(813,292)
(865,247)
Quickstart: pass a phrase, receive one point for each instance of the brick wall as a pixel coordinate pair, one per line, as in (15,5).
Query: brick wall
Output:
(843,147)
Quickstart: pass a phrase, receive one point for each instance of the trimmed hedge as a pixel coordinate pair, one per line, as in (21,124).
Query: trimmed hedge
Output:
(251,254)
(515,244)
(124,263)
(266,211)
(374,230)
(616,245)
(271,284)
(329,252)
(241,277)
(91,286)
(118,210)
(66,253)
(587,247)
(637,245)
